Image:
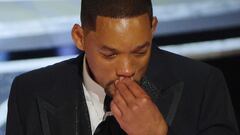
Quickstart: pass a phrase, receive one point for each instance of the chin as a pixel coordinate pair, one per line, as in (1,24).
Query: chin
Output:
(110,90)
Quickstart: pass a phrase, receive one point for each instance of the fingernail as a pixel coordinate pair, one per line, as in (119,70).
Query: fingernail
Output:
(116,82)
(121,78)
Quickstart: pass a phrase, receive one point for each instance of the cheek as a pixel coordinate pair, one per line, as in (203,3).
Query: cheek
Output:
(102,71)
(143,61)
(141,66)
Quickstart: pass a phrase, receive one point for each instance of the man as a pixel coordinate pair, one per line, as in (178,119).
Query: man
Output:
(151,91)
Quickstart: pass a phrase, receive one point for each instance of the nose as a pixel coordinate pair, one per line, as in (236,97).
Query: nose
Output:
(125,69)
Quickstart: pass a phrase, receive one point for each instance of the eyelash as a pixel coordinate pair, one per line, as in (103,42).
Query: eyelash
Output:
(141,53)
(111,56)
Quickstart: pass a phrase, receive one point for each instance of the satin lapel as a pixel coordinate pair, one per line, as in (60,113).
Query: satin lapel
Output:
(167,100)
(68,117)
(56,120)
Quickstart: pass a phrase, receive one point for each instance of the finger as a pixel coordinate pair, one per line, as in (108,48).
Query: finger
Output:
(117,114)
(120,102)
(134,88)
(115,110)
(125,92)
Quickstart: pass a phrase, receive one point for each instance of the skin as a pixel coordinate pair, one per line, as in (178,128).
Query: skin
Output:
(117,55)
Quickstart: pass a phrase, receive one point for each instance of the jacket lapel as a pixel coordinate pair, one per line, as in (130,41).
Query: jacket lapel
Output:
(167,100)
(57,120)
(163,86)
(67,113)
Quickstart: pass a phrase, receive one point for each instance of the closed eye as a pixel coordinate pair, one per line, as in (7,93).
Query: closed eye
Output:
(108,55)
(108,52)
(141,53)
(142,49)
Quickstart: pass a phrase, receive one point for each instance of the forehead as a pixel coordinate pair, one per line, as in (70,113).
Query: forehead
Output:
(118,31)
(122,23)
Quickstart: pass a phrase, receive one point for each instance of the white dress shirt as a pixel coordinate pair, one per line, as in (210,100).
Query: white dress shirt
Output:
(94,95)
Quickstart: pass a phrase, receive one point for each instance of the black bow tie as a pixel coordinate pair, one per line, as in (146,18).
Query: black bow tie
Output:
(109,125)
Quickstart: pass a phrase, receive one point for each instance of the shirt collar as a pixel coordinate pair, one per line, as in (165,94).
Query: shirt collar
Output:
(90,84)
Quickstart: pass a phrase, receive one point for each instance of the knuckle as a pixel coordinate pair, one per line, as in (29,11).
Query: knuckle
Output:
(134,107)
(131,85)
(123,90)
(144,100)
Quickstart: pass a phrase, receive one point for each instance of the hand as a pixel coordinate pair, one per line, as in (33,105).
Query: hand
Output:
(135,111)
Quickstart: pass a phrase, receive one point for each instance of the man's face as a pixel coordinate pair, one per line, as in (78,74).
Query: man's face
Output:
(118,48)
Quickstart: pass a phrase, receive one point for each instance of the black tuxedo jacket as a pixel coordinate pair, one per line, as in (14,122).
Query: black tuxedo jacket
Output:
(192,97)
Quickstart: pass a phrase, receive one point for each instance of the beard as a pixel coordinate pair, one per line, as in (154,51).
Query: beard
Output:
(110,88)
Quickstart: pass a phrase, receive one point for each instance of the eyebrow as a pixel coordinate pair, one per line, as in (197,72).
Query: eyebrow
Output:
(106,48)
(138,48)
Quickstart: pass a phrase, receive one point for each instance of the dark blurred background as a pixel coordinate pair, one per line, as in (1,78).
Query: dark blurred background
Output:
(36,33)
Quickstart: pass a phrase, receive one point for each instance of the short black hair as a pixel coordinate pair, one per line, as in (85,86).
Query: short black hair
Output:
(90,9)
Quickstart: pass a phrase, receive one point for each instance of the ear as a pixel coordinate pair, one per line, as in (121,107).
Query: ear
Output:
(154,24)
(78,36)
